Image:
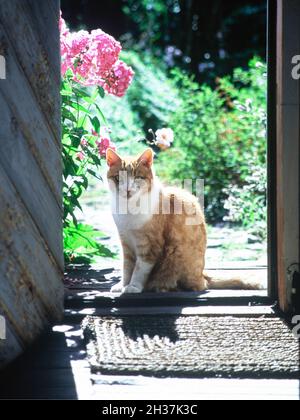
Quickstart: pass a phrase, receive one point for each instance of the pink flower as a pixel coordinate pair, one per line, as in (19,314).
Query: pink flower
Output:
(64,34)
(64,46)
(103,145)
(78,42)
(62,25)
(118,79)
(105,49)
(80,156)
(93,58)
(83,70)
(74,50)
(101,53)
(103,141)
(64,67)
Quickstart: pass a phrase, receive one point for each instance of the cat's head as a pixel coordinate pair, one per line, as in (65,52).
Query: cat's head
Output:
(130,177)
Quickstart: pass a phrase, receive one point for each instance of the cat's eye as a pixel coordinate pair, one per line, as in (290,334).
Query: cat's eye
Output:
(117,178)
(140,178)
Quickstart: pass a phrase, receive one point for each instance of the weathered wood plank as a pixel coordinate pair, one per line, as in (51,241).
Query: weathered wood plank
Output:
(19,304)
(31,252)
(24,172)
(29,119)
(41,19)
(30,152)
(16,17)
(24,258)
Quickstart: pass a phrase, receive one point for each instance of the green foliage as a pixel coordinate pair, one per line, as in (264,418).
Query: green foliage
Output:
(219,136)
(81,244)
(153,96)
(219,133)
(81,115)
(246,205)
(208,39)
(125,125)
(150,101)
(149,16)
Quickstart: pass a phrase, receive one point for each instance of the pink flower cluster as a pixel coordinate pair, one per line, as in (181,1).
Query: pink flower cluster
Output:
(103,141)
(94,59)
(118,79)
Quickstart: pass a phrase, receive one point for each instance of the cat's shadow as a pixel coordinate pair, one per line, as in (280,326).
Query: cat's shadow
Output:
(151,326)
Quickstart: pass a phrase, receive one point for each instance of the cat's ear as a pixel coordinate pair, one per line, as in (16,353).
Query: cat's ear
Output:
(112,158)
(146,157)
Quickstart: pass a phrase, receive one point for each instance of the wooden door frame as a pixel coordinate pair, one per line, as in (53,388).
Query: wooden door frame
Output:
(283,147)
(271,149)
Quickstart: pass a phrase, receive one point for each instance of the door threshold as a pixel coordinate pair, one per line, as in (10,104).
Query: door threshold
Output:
(236,311)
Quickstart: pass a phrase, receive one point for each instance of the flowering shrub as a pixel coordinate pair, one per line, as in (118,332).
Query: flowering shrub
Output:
(90,68)
(93,58)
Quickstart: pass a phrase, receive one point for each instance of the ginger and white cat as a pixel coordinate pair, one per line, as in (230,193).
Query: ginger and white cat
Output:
(162,231)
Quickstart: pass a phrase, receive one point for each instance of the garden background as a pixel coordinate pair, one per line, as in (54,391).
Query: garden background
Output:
(199,68)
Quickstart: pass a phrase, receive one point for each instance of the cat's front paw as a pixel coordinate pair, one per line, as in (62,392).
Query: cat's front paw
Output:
(117,288)
(132,289)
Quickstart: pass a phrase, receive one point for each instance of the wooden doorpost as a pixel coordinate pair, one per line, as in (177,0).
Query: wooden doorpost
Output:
(287,144)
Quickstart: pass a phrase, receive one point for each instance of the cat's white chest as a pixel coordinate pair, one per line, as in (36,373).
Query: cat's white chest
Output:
(129,222)
(128,225)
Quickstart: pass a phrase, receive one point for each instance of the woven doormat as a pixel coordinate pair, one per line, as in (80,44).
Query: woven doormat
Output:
(192,346)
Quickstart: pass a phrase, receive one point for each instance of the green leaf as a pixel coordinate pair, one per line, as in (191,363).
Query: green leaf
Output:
(66,93)
(101,91)
(68,115)
(101,114)
(85,181)
(93,173)
(96,160)
(84,95)
(81,242)
(78,107)
(75,141)
(96,124)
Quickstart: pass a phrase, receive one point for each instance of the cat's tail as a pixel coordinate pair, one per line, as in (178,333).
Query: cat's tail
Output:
(234,283)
